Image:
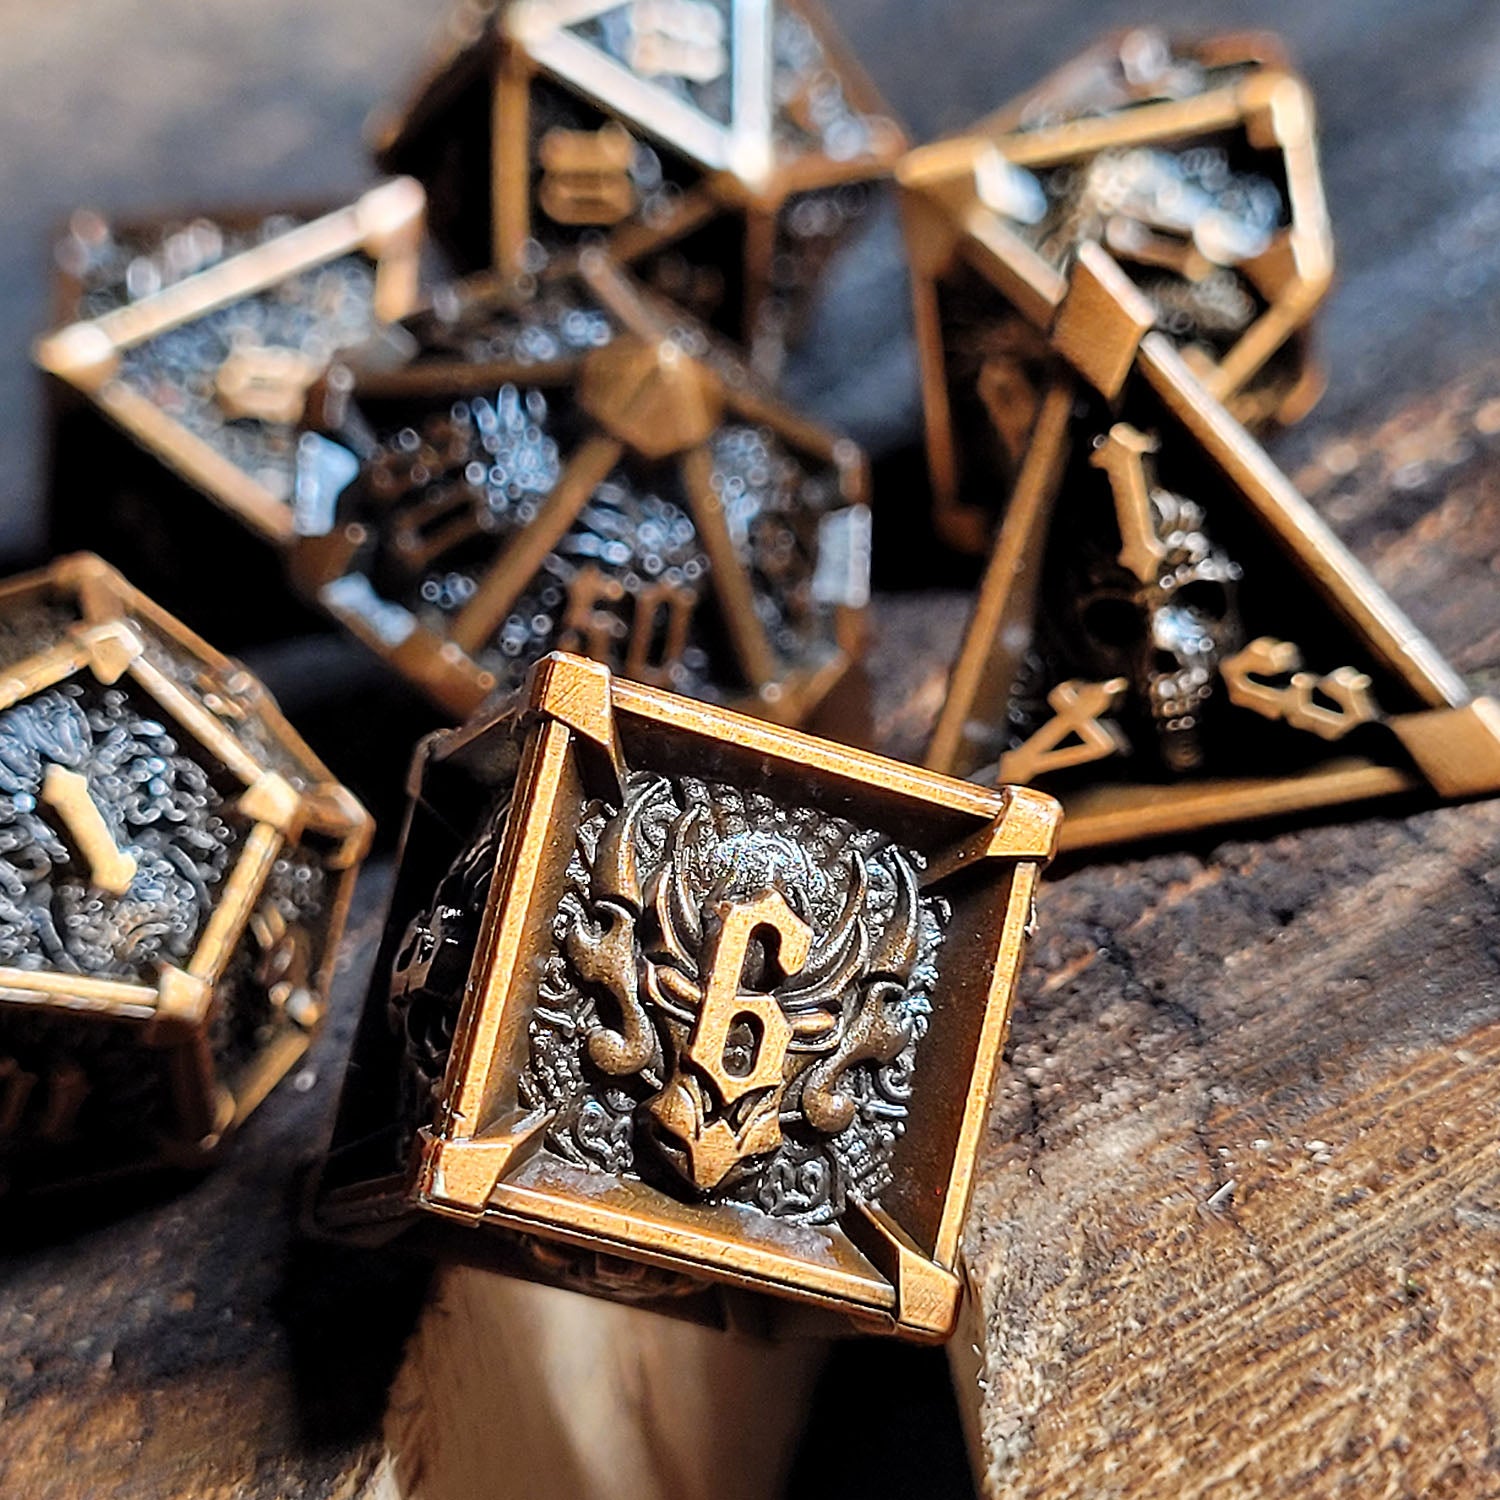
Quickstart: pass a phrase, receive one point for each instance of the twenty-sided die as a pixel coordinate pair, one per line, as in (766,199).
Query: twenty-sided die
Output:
(725,148)
(587,469)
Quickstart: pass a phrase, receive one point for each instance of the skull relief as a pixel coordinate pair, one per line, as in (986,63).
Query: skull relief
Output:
(1162,612)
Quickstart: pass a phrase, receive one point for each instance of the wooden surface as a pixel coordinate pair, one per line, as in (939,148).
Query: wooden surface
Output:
(1238,1224)
(1310,1016)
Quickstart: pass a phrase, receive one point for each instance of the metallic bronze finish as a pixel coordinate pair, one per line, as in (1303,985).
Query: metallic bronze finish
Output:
(208,371)
(667,987)
(1189,645)
(1195,166)
(725,148)
(175,873)
(583,468)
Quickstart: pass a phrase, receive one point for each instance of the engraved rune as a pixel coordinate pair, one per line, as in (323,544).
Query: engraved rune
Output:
(748,1024)
(586,175)
(677,39)
(655,639)
(1122,456)
(1346,689)
(1077,714)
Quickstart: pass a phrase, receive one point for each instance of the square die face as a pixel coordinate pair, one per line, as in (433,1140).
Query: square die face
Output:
(733,1001)
(674,1004)
(406,1033)
(729,1009)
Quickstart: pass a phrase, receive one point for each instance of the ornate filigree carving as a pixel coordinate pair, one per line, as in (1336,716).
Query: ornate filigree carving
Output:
(427,980)
(158,805)
(735,999)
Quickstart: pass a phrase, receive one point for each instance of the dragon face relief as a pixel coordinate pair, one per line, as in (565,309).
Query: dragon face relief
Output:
(735,998)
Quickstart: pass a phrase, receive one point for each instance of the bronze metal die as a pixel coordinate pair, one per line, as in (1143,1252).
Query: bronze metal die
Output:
(252,391)
(706,142)
(584,469)
(1191,645)
(177,873)
(671,989)
(1195,166)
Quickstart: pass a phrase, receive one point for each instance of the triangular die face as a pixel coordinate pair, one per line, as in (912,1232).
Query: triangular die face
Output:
(685,48)
(208,371)
(1195,166)
(665,68)
(234,377)
(747,87)
(591,177)
(1187,221)
(1161,593)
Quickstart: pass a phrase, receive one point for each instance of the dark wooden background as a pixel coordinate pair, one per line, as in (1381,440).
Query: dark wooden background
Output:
(1179,1009)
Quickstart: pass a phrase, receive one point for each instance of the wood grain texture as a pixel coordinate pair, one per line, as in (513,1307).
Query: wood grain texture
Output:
(1238,1224)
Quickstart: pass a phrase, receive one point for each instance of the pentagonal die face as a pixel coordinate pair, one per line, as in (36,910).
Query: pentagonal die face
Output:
(174,868)
(1195,166)
(198,338)
(694,993)
(581,472)
(726,149)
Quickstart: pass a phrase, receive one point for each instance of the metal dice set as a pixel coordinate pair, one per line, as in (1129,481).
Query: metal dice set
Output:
(676,1003)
